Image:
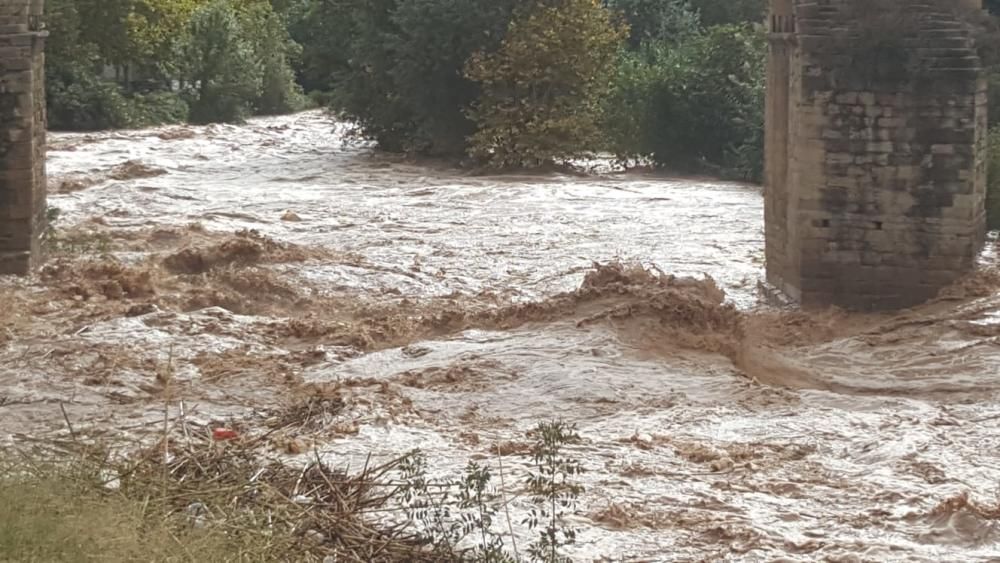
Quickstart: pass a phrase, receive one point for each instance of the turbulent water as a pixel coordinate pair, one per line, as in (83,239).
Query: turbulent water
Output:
(451,312)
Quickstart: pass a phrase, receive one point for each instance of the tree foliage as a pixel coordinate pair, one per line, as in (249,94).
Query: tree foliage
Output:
(729,12)
(656,20)
(543,89)
(220,65)
(228,58)
(395,66)
(76,97)
(696,105)
(154,30)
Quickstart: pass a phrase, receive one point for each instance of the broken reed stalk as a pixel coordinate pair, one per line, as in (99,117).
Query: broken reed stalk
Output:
(506,505)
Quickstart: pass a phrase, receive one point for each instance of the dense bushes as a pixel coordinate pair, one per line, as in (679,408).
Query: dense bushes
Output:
(546,81)
(656,20)
(693,105)
(530,86)
(511,82)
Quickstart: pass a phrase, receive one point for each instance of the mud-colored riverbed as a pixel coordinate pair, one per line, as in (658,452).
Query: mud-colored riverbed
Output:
(228,269)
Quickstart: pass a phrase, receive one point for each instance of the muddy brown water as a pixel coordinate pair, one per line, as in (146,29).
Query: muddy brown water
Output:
(455,311)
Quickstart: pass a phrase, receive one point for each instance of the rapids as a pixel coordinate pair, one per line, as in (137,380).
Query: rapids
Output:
(452,312)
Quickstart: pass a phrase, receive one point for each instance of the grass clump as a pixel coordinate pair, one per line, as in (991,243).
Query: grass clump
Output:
(195,500)
(57,512)
(196,497)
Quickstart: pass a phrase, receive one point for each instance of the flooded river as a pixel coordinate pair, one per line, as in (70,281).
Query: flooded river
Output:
(225,269)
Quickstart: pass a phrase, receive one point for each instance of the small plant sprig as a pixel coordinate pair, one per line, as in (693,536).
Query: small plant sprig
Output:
(426,503)
(459,513)
(479,500)
(553,491)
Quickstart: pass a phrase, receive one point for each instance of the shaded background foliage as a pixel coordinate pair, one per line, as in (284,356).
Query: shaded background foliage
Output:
(134,63)
(396,66)
(689,95)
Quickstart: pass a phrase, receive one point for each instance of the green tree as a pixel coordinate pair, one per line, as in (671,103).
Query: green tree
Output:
(437,38)
(104,24)
(361,66)
(315,25)
(154,30)
(221,66)
(542,90)
(75,95)
(395,66)
(274,50)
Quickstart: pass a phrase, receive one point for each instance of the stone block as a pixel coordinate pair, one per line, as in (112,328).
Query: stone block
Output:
(891,122)
(16,153)
(16,235)
(848,98)
(15,263)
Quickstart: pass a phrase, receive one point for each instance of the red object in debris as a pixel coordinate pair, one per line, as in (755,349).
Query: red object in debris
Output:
(224,434)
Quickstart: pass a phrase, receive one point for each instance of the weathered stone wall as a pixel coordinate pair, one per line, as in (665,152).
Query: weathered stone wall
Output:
(875,192)
(22,135)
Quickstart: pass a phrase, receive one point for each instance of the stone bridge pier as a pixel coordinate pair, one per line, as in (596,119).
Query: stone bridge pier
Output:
(875,150)
(22,135)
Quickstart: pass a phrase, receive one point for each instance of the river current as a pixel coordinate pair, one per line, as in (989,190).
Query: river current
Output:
(224,268)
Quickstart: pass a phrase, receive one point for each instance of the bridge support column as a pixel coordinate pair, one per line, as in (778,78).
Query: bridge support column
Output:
(876,172)
(22,135)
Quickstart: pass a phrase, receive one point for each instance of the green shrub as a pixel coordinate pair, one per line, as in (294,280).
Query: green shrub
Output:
(694,106)
(542,90)
(157,108)
(79,100)
(437,38)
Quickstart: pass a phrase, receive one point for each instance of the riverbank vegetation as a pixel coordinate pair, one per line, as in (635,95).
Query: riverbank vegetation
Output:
(676,84)
(135,63)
